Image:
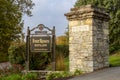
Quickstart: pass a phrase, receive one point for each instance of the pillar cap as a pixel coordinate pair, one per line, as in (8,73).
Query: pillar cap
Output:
(87,11)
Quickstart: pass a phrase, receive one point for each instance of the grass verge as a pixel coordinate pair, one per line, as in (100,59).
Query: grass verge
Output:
(115,60)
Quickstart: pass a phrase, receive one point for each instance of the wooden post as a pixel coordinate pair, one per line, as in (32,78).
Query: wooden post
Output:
(27,49)
(53,49)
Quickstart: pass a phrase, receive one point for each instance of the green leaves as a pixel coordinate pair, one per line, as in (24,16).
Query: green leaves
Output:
(28,76)
(113,8)
(17,54)
(11,24)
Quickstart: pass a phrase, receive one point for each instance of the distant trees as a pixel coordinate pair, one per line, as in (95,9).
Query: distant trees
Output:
(61,40)
(113,8)
(11,24)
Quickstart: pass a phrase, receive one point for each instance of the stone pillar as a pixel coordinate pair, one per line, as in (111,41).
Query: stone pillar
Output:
(88,38)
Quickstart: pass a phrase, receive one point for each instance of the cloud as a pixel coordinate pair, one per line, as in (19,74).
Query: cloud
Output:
(51,13)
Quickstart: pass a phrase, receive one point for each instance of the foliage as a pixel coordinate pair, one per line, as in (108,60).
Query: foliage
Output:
(61,40)
(60,65)
(17,53)
(3,57)
(29,76)
(55,75)
(77,72)
(113,8)
(115,59)
(6,72)
(62,49)
(66,61)
(13,77)
(62,52)
(39,61)
(114,49)
(61,75)
(11,23)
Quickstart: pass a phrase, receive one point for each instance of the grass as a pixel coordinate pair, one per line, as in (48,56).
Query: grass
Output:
(115,60)
(66,61)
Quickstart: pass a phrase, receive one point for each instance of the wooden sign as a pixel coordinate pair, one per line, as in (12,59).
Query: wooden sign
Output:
(39,40)
(40,44)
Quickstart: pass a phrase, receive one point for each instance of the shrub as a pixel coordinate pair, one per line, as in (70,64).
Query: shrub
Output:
(13,77)
(114,49)
(55,75)
(3,57)
(29,76)
(17,54)
(62,49)
(77,72)
(52,76)
(39,61)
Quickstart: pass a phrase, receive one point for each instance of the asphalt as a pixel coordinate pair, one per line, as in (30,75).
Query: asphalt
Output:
(112,73)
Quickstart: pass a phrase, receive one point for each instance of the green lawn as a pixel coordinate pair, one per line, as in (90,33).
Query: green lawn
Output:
(114,60)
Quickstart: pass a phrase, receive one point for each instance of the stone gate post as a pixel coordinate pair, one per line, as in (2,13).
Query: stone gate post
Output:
(88,38)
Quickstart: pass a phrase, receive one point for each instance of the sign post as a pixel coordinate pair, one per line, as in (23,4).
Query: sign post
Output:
(53,49)
(40,41)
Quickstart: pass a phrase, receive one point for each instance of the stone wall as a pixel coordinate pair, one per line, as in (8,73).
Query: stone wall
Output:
(88,38)
(5,65)
(100,44)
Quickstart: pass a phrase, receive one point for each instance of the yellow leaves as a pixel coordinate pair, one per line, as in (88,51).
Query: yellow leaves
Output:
(62,40)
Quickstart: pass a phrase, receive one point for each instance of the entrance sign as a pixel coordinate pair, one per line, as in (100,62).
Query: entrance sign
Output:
(40,39)
(40,44)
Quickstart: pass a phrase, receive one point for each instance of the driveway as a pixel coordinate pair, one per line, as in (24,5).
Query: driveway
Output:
(105,74)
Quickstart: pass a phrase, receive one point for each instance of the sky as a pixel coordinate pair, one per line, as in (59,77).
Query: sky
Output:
(50,13)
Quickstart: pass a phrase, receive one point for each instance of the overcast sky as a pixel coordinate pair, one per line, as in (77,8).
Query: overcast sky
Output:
(50,13)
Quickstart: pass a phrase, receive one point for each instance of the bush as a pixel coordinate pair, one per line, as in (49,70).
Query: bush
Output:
(3,57)
(17,54)
(62,49)
(114,49)
(60,75)
(77,72)
(52,76)
(29,76)
(55,75)
(13,77)
(39,61)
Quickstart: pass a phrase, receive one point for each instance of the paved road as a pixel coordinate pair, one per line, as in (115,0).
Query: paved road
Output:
(105,74)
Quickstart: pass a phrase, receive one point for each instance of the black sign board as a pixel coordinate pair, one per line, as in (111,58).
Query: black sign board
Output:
(40,44)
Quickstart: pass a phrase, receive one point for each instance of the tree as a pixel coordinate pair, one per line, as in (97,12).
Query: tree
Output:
(61,40)
(11,23)
(113,8)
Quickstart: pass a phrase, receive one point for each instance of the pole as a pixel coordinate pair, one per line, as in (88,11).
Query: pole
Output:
(53,49)
(28,48)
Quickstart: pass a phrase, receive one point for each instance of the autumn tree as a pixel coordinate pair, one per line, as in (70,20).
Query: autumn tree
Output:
(11,23)
(113,8)
(61,40)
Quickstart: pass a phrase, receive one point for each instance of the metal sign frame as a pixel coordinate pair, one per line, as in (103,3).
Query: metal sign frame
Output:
(40,33)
